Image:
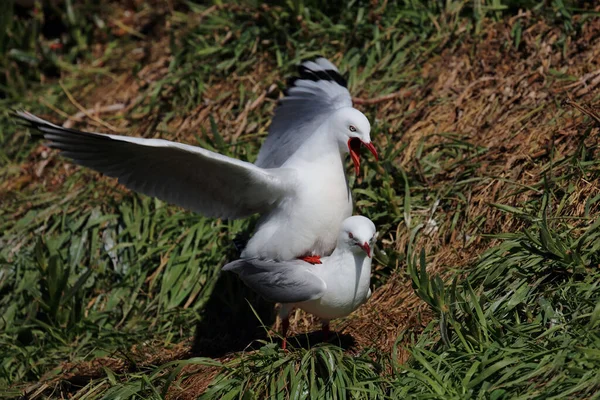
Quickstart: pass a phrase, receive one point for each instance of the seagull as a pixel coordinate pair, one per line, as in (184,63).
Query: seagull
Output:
(298,184)
(332,289)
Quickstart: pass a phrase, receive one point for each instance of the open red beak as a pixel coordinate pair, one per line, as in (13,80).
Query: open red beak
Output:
(366,248)
(354,147)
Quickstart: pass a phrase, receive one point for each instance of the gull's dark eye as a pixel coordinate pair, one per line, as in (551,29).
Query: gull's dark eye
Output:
(352,128)
(350,235)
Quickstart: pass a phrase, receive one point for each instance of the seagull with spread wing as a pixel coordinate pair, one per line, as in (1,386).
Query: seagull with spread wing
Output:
(298,183)
(333,289)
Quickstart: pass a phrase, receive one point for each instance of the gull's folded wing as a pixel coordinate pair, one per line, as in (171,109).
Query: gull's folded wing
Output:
(191,177)
(310,100)
(279,281)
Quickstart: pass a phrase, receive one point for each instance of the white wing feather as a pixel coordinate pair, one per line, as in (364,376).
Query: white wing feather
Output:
(310,100)
(191,177)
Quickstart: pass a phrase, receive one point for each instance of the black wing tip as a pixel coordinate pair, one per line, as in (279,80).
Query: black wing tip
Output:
(322,75)
(22,116)
(28,120)
(289,83)
(43,127)
(306,73)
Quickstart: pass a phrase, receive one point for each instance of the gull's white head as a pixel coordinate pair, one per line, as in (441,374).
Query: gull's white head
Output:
(352,129)
(358,233)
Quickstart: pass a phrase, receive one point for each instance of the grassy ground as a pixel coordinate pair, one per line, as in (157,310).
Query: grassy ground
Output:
(486,283)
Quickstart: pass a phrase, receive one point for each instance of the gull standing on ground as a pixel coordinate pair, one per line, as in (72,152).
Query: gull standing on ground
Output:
(298,183)
(332,289)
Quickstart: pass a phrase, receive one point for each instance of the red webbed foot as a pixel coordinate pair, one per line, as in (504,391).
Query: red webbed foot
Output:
(311,259)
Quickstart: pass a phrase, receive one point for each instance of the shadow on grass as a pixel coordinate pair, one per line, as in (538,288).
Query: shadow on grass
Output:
(231,319)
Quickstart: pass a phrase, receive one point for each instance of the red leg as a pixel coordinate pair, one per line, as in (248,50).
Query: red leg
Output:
(311,259)
(285,324)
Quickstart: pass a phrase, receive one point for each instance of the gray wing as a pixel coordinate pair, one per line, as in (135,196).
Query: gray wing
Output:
(309,101)
(279,281)
(188,176)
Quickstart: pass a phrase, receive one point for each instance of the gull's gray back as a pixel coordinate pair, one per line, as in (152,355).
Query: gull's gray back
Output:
(279,281)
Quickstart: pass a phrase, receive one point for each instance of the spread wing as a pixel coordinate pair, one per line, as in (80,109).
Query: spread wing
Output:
(310,100)
(191,177)
(279,281)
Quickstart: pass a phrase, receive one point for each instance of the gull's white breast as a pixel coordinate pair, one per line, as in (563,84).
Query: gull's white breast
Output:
(309,222)
(347,278)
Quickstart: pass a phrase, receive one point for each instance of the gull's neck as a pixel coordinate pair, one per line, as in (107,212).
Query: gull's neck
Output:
(321,147)
(343,253)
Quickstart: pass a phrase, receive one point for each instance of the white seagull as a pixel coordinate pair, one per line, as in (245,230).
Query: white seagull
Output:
(332,289)
(298,183)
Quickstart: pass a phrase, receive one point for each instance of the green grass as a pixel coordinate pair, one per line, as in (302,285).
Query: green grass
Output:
(91,271)
(320,372)
(522,325)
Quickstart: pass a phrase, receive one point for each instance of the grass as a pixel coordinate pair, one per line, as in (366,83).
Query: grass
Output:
(485,196)
(523,324)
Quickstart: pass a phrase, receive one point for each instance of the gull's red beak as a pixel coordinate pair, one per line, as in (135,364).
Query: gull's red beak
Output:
(354,147)
(372,149)
(366,248)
